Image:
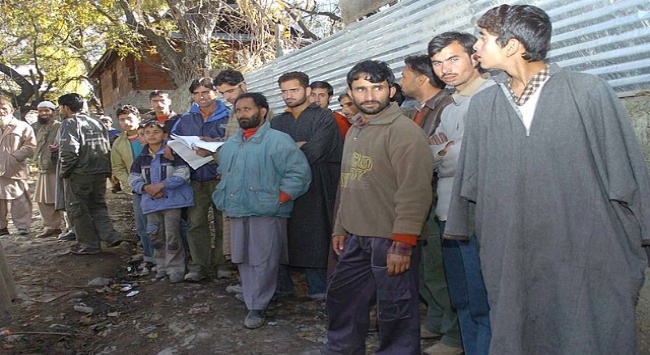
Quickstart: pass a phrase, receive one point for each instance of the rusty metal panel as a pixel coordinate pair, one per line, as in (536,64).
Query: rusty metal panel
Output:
(608,38)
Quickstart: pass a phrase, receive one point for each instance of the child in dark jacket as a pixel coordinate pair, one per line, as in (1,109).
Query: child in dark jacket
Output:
(165,189)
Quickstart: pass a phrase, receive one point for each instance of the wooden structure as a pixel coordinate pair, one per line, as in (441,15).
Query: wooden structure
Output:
(118,77)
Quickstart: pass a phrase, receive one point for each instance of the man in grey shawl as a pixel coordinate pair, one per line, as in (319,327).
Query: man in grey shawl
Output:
(310,226)
(552,181)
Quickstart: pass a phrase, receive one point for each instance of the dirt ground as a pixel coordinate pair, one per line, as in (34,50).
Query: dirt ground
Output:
(160,318)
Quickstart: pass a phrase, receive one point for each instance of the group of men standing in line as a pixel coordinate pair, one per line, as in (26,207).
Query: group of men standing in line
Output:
(516,206)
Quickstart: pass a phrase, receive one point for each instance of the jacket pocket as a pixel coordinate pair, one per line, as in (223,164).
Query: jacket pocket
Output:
(393,304)
(267,203)
(12,167)
(219,196)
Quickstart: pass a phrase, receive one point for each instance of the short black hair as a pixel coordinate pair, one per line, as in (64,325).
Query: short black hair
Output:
(153,123)
(302,78)
(399,95)
(127,109)
(421,64)
(443,40)
(372,70)
(160,93)
(205,82)
(73,100)
(343,96)
(258,98)
(528,24)
(323,85)
(229,76)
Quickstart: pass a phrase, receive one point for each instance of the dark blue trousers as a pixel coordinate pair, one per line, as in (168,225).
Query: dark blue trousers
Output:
(361,277)
(467,293)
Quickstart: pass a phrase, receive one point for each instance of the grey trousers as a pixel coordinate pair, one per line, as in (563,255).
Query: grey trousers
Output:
(85,205)
(164,230)
(258,245)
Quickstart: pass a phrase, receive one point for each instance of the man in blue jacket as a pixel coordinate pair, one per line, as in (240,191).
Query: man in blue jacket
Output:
(207,119)
(262,172)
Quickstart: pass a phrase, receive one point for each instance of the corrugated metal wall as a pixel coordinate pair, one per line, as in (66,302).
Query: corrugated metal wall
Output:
(610,38)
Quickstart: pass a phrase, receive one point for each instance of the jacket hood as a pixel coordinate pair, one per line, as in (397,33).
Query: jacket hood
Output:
(220,112)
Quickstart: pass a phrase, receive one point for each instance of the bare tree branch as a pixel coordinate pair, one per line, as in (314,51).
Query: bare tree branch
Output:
(26,88)
(329,14)
(303,25)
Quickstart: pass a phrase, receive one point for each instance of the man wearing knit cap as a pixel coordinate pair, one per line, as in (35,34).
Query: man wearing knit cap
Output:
(46,129)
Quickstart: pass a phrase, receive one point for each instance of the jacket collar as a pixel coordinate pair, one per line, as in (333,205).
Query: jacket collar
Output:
(145,149)
(502,77)
(220,112)
(471,89)
(433,101)
(390,114)
(255,138)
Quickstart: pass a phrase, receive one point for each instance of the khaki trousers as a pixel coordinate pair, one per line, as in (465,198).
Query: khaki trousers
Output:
(52,219)
(21,212)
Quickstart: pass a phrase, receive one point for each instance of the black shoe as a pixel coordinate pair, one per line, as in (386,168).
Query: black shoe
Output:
(69,235)
(254,319)
(4,231)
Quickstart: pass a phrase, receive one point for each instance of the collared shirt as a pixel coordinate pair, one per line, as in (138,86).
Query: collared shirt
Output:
(296,111)
(470,90)
(534,83)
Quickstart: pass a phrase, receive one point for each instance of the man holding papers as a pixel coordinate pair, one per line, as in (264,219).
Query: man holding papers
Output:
(207,120)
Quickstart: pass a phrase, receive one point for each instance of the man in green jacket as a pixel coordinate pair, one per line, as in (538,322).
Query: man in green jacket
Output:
(126,148)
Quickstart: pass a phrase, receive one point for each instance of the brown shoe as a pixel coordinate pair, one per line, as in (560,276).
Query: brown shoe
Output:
(49,233)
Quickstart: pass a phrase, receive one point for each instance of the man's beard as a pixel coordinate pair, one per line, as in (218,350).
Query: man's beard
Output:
(297,103)
(44,119)
(250,123)
(382,105)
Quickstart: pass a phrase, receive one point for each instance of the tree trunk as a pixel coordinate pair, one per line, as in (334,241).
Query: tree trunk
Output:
(27,90)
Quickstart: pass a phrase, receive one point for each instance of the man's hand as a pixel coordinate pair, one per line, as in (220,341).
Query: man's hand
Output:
(154,189)
(397,264)
(209,139)
(338,241)
(203,152)
(300,144)
(443,152)
(398,258)
(438,139)
(53,148)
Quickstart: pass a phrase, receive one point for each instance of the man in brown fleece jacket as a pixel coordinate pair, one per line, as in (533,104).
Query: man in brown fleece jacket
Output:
(385,193)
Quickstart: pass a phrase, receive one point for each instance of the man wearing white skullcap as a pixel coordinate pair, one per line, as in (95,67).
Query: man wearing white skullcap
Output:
(46,130)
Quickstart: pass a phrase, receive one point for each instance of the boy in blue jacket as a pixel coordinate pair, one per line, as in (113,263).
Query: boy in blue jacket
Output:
(165,189)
